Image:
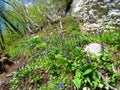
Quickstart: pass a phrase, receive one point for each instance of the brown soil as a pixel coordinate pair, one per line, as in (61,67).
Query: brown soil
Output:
(8,67)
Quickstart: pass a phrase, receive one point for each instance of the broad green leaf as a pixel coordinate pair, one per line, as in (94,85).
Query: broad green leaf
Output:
(95,78)
(88,79)
(59,57)
(101,85)
(78,74)
(88,71)
(77,82)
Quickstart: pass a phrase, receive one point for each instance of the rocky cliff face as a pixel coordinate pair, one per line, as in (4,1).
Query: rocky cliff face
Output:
(97,13)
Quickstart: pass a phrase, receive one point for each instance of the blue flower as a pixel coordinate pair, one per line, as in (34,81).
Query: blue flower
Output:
(63,42)
(19,68)
(56,43)
(102,47)
(60,35)
(41,54)
(11,77)
(87,59)
(61,85)
(63,49)
(24,64)
(67,53)
(4,84)
(56,88)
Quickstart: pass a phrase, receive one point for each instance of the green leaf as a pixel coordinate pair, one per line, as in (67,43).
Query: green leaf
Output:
(88,71)
(58,57)
(77,82)
(101,85)
(95,78)
(78,74)
(88,79)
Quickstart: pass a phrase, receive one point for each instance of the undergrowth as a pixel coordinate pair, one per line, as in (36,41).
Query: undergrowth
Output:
(60,63)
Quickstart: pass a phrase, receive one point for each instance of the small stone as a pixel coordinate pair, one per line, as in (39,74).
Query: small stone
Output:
(85,88)
(9,75)
(35,37)
(3,59)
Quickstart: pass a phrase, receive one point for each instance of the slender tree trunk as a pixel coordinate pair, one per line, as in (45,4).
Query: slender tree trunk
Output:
(9,28)
(1,46)
(2,39)
(16,29)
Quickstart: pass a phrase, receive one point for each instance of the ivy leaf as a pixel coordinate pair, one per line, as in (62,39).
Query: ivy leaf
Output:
(88,71)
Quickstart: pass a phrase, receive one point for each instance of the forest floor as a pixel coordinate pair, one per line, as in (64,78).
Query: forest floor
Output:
(35,62)
(8,67)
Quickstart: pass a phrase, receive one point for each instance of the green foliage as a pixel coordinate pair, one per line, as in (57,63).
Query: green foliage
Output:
(71,25)
(53,59)
(59,5)
(31,71)
(23,18)
(63,59)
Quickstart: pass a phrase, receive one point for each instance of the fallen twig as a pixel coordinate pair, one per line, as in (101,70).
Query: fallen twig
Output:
(107,82)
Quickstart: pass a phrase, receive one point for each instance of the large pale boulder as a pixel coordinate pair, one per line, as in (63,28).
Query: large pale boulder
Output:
(94,49)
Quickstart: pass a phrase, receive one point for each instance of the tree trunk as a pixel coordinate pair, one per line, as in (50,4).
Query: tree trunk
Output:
(2,39)
(16,29)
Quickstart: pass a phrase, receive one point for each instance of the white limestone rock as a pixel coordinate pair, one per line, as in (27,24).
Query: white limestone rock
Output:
(86,88)
(34,37)
(94,49)
(91,27)
(93,11)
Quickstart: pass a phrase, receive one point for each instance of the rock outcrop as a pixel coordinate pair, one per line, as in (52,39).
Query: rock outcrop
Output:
(97,12)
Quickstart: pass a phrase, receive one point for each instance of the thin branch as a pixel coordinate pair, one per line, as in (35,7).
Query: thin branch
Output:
(107,84)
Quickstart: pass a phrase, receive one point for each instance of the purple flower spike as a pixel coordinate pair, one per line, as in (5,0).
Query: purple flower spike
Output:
(102,47)
(61,85)
(63,42)
(87,59)
(17,69)
(56,88)
(4,84)
(67,53)
(56,43)
(41,54)
(23,65)
(63,49)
